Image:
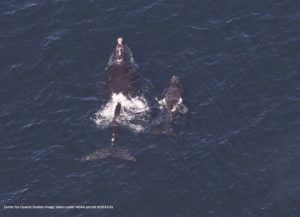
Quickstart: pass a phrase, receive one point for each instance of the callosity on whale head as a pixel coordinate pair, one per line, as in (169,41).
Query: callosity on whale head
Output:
(175,80)
(121,53)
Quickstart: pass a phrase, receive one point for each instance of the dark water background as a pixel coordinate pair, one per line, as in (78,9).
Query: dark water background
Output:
(238,152)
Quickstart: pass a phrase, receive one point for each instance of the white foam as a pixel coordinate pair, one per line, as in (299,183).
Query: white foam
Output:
(179,106)
(134,112)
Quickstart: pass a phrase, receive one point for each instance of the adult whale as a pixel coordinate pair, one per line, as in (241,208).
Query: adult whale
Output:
(121,78)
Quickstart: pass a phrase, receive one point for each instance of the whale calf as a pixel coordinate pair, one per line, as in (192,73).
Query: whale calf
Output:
(172,106)
(172,102)
(172,98)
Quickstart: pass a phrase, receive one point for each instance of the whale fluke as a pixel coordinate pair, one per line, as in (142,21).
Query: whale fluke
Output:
(110,152)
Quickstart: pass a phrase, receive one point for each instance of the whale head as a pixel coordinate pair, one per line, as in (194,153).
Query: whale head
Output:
(175,82)
(120,53)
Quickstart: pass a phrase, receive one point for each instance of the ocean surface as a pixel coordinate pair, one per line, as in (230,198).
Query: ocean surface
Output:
(237,150)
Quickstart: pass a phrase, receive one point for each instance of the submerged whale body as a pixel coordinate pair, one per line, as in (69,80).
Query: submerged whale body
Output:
(110,152)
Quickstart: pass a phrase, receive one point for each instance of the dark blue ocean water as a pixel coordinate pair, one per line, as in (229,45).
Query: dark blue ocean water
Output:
(237,153)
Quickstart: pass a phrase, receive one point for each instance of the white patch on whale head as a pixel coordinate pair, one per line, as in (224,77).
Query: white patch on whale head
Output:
(120,40)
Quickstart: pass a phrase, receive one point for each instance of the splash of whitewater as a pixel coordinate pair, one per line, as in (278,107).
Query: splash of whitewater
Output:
(135,112)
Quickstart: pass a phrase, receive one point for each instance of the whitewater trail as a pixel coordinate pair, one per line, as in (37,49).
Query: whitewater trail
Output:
(135,112)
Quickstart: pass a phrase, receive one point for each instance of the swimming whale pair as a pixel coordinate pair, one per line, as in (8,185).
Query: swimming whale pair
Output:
(122,77)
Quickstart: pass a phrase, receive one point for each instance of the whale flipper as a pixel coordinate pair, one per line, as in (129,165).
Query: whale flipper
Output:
(114,152)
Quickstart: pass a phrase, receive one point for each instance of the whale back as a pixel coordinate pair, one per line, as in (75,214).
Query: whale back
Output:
(122,75)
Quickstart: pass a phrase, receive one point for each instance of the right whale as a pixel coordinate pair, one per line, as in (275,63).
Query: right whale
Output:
(122,80)
(172,104)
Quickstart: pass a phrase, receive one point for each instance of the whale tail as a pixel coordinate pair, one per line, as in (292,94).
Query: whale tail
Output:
(114,152)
